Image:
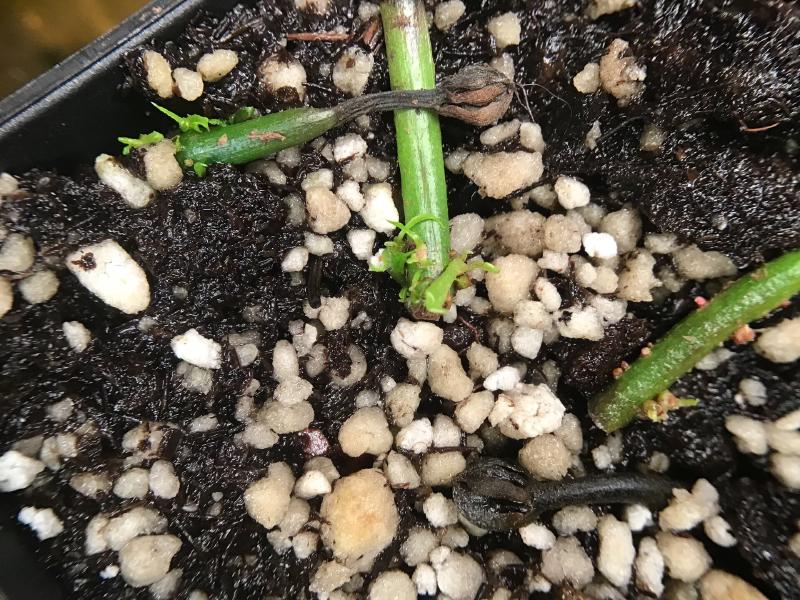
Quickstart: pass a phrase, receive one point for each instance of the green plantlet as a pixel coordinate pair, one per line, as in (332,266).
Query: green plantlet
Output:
(658,409)
(200,169)
(143,140)
(196,123)
(246,113)
(405,258)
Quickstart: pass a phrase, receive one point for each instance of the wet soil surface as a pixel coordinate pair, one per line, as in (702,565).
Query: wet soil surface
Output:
(716,71)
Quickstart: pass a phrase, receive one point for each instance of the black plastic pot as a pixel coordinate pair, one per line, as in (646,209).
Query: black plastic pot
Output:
(60,120)
(75,110)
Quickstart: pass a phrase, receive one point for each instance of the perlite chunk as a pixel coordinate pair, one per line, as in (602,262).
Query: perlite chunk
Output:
(360,517)
(616,554)
(503,173)
(267,499)
(446,376)
(352,71)
(326,212)
(567,561)
(505,30)
(109,272)
(781,343)
(512,284)
(283,72)
(217,64)
(17,471)
(135,192)
(158,72)
(620,75)
(527,411)
(686,558)
(145,560)
(197,350)
(416,339)
(161,167)
(366,432)
(392,585)
(546,457)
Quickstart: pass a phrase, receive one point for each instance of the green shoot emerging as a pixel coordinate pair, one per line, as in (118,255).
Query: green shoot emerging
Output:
(143,140)
(405,258)
(196,123)
(658,409)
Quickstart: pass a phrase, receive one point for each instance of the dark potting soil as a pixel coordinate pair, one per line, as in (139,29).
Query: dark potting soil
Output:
(714,68)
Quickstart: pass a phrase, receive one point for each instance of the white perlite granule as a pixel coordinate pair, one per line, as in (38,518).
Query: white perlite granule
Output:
(571,192)
(44,522)
(158,72)
(217,64)
(267,499)
(109,272)
(392,585)
(39,287)
(649,567)
(161,167)
(527,411)
(197,350)
(620,76)
(448,13)
(587,81)
(503,173)
(135,192)
(6,296)
(352,71)
(567,561)
(616,554)
(505,30)
(283,71)
(781,343)
(364,497)
(77,335)
(145,560)
(459,576)
(537,536)
(686,558)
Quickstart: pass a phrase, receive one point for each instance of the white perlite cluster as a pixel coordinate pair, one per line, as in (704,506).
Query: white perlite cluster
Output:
(186,83)
(780,437)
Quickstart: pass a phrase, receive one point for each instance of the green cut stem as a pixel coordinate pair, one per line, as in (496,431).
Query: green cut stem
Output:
(419,136)
(748,299)
(251,140)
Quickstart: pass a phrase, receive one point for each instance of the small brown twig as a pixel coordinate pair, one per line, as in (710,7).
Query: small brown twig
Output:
(318,36)
(371,32)
(746,129)
(475,333)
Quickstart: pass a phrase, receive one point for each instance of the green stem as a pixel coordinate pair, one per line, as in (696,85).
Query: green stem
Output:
(247,141)
(750,298)
(419,137)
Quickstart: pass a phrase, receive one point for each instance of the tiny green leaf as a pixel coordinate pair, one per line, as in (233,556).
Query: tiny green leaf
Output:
(246,113)
(196,123)
(143,140)
(405,258)
(200,169)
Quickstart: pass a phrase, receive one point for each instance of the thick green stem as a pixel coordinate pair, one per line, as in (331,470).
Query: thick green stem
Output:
(247,141)
(750,298)
(419,136)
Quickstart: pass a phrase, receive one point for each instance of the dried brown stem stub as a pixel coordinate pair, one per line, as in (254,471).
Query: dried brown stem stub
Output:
(497,495)
(477,94)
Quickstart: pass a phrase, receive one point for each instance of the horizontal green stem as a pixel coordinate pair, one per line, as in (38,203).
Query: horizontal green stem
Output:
(419,136)
(748,299)
(247,141)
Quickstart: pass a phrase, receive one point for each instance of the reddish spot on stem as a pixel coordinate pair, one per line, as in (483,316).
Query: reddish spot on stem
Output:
(266,136)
